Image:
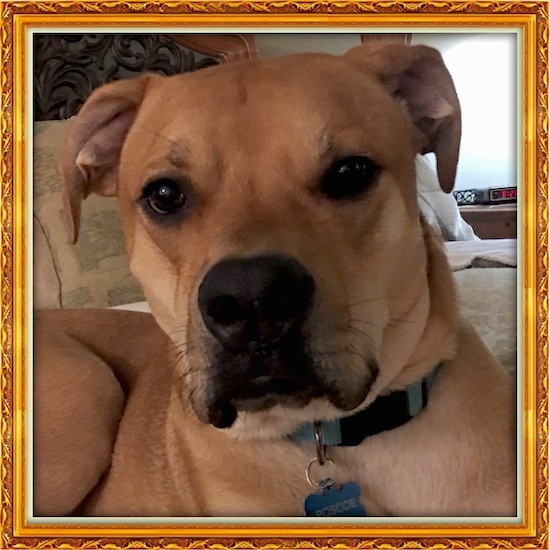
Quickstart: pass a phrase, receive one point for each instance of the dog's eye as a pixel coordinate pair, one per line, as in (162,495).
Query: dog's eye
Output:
(349,177)
(164,196)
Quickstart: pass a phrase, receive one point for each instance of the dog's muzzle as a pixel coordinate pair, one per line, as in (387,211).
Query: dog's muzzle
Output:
(256,308)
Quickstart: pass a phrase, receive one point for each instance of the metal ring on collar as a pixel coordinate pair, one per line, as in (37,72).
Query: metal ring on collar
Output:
(324,483)
(321,449)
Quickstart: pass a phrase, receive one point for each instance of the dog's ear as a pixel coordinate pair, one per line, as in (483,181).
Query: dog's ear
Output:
(417,76)
(94,143)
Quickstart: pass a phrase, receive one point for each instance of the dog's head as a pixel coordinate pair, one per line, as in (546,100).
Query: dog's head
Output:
(269,209)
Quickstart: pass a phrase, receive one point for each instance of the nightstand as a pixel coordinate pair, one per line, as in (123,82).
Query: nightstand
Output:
(495,221)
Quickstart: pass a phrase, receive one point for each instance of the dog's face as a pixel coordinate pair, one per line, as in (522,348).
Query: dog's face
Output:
(270,213)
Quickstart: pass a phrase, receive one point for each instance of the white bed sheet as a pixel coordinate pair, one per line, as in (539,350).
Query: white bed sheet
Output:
(486,253)
(136,306)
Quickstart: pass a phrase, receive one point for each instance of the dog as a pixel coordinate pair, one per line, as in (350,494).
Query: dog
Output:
(269,210)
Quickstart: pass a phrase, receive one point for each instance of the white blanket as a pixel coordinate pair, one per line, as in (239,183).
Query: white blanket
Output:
(486,253)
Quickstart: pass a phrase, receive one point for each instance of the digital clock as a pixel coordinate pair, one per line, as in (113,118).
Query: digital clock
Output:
(503,194)
(496,195)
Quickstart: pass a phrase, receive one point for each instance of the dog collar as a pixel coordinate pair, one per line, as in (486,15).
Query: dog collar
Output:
(383,414)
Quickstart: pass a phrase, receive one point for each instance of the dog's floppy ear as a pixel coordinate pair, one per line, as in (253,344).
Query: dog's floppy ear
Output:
(417,76)
(94,143)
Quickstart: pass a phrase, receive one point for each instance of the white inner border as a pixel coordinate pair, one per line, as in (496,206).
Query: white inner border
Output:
(298,521)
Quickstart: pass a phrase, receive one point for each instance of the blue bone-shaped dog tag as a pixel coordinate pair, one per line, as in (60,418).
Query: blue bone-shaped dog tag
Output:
(336,500)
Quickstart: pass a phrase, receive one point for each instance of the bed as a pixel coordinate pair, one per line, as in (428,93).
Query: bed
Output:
(95,272)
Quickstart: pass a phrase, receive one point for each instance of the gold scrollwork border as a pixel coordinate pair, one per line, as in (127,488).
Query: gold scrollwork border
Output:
(532,16)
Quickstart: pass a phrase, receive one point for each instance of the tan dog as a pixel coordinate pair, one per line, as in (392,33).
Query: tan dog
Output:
(269,209)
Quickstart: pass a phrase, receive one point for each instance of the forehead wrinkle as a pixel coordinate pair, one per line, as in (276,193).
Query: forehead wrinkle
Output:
(160,158)
(139,128)
(326,145)
(342,137)
(168,136)
(329,136)
(174,156)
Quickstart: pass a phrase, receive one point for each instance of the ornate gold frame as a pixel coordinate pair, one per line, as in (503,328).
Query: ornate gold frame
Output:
(530,16)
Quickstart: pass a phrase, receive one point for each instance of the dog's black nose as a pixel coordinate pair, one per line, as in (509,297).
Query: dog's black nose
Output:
(255,301)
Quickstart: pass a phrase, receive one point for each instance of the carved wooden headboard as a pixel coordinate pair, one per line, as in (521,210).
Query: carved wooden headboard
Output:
(67,67)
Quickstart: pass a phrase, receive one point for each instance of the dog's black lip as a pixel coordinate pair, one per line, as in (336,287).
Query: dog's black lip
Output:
(262,393)
(224,411)
(222,415)
(251,383)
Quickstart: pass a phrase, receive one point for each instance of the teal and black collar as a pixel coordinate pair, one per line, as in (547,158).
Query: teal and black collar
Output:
(385,413)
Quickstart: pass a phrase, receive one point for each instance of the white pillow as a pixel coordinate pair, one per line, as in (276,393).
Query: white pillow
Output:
(439,208)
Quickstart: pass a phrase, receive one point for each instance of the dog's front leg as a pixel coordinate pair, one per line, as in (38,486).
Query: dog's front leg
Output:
(77,406)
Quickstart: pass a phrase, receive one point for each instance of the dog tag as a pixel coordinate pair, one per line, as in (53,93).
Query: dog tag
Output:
(335,500)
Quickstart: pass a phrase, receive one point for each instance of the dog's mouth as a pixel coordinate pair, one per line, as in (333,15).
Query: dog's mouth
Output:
(258,380)
(288,377)
(259,395)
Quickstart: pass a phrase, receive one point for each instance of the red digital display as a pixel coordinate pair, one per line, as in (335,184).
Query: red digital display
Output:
(504,194)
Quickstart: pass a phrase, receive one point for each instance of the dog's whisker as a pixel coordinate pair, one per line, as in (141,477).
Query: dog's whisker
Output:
(190,394)
(177,357)
(184,354)
(176,330)
(189,372)
(178,346)
(188,368)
